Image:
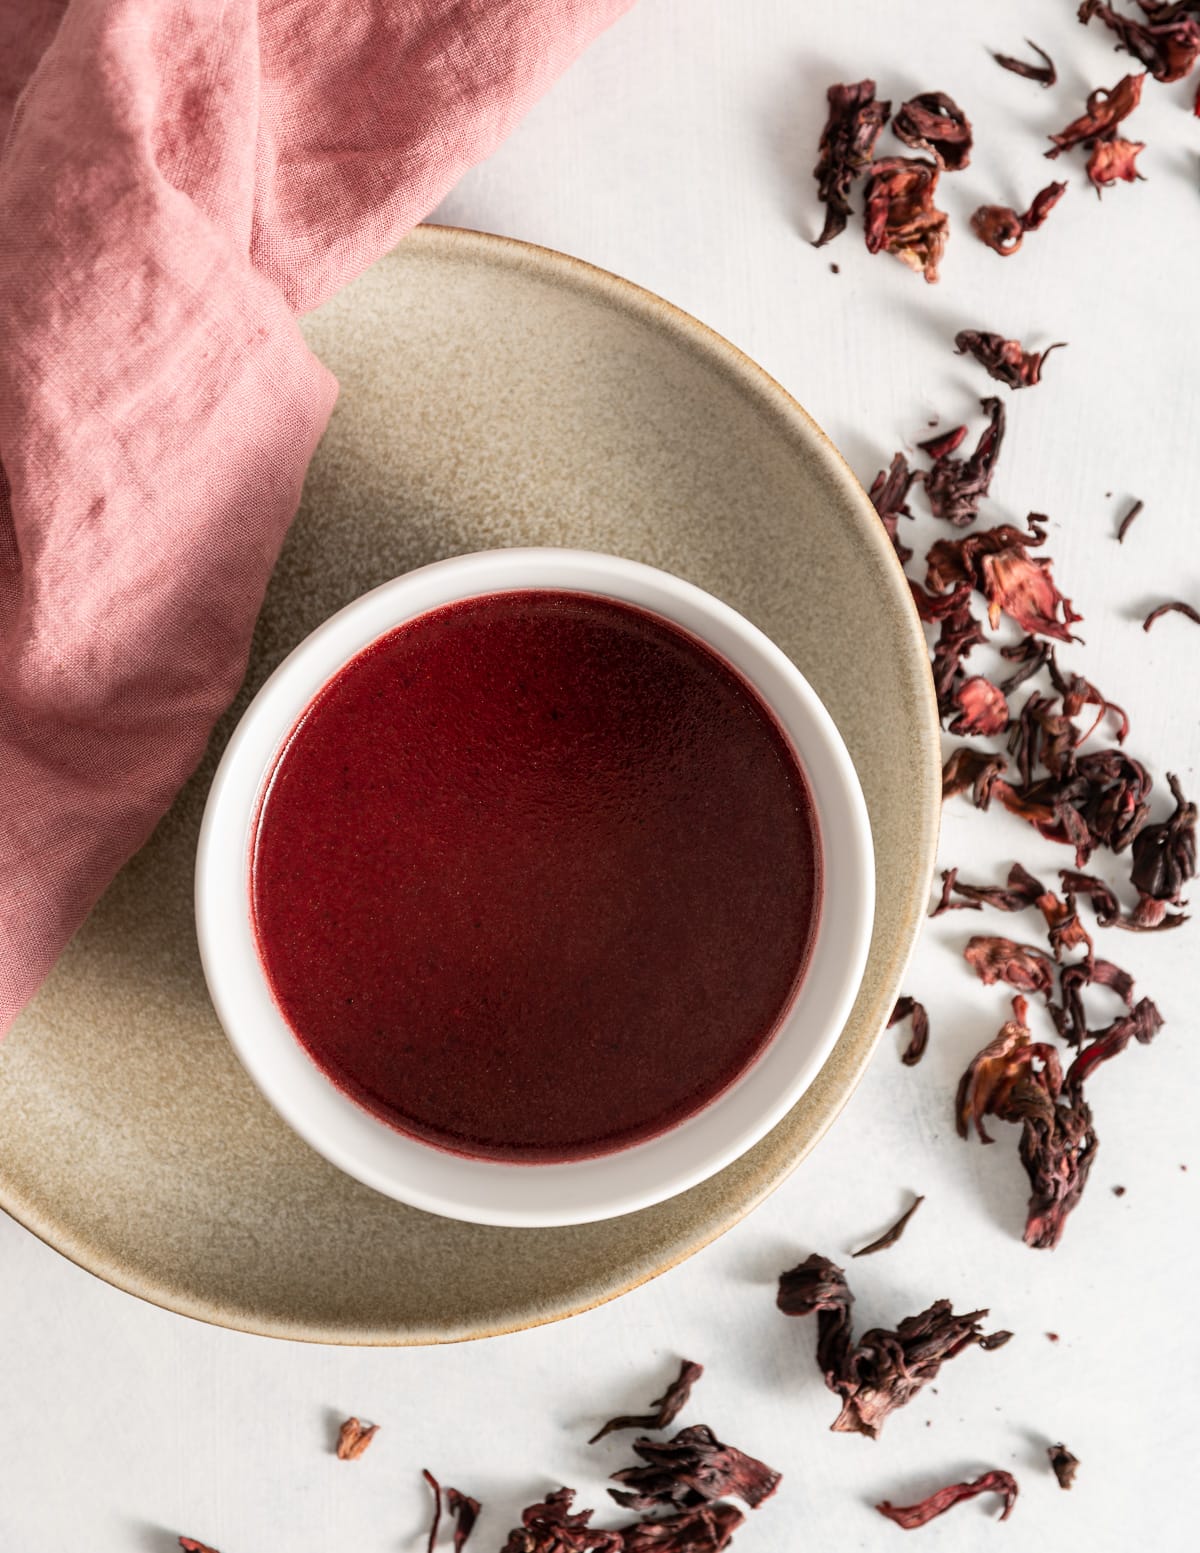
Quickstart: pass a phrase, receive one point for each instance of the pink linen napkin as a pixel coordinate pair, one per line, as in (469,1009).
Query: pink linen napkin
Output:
(178,179)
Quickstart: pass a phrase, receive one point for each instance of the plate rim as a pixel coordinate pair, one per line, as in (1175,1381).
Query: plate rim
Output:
(636,300)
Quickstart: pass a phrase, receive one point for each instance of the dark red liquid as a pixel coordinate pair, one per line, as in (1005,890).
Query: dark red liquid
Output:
(535,877)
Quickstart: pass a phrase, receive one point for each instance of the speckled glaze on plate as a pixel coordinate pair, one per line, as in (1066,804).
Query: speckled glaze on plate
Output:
(492,393)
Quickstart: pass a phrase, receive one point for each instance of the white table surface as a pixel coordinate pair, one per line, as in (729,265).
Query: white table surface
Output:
(678,152)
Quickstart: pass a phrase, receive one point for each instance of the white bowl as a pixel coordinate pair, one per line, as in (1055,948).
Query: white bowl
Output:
(486,1191)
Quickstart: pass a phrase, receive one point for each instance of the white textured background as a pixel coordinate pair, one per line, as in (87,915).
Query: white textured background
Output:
(679,153)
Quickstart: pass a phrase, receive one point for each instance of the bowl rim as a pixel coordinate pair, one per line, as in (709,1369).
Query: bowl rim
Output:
(488,1191)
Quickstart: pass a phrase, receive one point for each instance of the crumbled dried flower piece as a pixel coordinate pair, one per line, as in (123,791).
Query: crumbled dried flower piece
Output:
(691,1469)
(435,1523)
(883,1370)
(190,1545)
(549,1527)
(915,1050)
(1168,47)
(913,1515)
(1022,891)
(982,708)
(847,145)
(1003,229)
(1128,520)
(1114,161)
(1070,1020)
(976,769)
(465,1511)
(1045,74)
(354,1438)
(1005,360)
(944,904)
(1173,607)
(934,122)
(892,1235)
(900,216)
(1020,965)
(1105,111)
(1118,1191)
(706,1528)
(1064,1465)
(889,496)
(664,1410)
(956,486)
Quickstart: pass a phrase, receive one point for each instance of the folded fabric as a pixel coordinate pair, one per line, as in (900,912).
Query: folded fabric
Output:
(178,179)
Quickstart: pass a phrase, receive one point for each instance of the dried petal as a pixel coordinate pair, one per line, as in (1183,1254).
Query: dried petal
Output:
(983,709)
(354,1438)
(1111,161)
(1005,360)
(914,1515)
(1103,899)
(1174,607)
(892,1235)
(1070,1020)
(1105,111)
(1058,1149)
(883,1370)
(1064,1465)
(972,768)
(847,146)
(1020,965)
(1003,229)
(1164,856)
(1044,73)
(1141,1024)
(935,123)
(550,1527)
(889,494)
(706,1528)
(436,1522)
(1127,521)
(1003,1081)
(915,1049)
(1023,890)
(190,1545)
(1168,48)
(956,486)
(901,217)
(949,886)
(664,1410)
(1023,589)
(692,1469)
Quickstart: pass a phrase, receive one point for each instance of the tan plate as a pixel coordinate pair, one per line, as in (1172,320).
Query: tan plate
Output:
(492,394)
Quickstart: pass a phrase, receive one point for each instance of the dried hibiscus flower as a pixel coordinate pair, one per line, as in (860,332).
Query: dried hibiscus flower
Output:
(1063,1464)
(705,1529)
(1003,229)
(1174,607)
(913,1515)
(690,1470)
(1022,890)
(956,486)
(1105,111)
(889,496)
(1005,360)
(847,145)
(1168,47)
(1020,965)
(935,123)
(915,1049)
(1044,73)
(982,708)
(976,769)
(462,1507)
(883,1370)
(1114,161)
(1164,856)
(354,1438)
(665,1409)
(900,216)
(892,1235)
(549,1527)
(997,562)
(1070,1020)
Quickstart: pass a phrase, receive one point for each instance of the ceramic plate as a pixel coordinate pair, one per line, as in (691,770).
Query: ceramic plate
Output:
(491,394)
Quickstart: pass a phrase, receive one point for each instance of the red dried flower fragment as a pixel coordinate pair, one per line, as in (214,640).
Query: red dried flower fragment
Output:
(891,1235)
(1005,360)
(549,1527)
(705,1529)
(462,1507)
(1105,111)
(982,708)
(1164,856)
(900,216)
(1174,607)
(956,486)
(997,563)
(1022,890)
(847,145)
(190,1545)
(690,1470)
(664,1410)
(976,769)
(883,1370)
(915,1050)
(1168,47)
(889,496)
(1003,229)
(1045,74)
(934,122)
(354,1438)
(1128,520)
(1063,1464)
(1113,161)
(913,1515)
